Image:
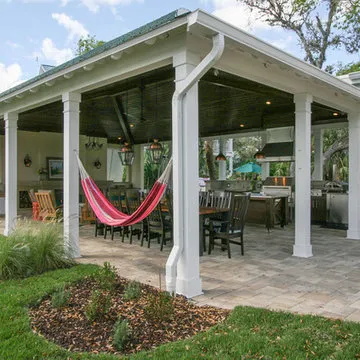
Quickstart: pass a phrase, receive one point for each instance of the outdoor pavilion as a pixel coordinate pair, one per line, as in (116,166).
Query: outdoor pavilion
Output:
(216,77)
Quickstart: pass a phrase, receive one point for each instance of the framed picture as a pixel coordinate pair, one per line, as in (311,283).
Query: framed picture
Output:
(55,168)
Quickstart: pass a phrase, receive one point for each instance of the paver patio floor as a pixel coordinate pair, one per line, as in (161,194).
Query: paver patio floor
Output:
(266,276)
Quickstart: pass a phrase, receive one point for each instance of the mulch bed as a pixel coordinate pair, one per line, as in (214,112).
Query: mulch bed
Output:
(68,326)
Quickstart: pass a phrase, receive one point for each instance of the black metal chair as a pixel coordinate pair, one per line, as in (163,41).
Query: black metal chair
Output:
(234,227)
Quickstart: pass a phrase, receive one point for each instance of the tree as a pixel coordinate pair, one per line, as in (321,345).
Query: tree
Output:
(320,25)
(87,43)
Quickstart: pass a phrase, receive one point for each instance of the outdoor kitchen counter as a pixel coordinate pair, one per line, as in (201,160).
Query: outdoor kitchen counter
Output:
(269,210)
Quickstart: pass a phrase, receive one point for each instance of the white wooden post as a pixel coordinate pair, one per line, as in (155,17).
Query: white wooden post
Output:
(318,155)
(302,246)
(265,166)
(222,163)
(230,155)
(185,136)
(354,176)
(71,103)
(10,172)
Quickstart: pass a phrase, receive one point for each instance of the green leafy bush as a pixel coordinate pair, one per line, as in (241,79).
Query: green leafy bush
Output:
(33,248)
(60,297)
(160,306)
(132,290)
(98,306)
(121,334)
(106,277)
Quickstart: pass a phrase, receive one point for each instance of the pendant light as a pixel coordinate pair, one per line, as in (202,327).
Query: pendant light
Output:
(220,157)
(156,149)
(126,154)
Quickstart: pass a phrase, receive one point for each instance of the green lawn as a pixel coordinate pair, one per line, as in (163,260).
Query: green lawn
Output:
(249,333)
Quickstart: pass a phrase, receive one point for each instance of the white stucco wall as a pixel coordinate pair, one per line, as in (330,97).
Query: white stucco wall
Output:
(40,145)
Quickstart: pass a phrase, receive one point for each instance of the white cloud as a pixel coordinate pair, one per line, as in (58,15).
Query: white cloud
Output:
(238,15)
(283,43)
(94,5)
(54,55)
(9,76)
(75,28)
(13,45)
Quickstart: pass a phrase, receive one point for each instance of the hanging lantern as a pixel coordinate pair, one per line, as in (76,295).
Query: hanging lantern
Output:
(126,154)
(259,155)
(156,151)
(220,157)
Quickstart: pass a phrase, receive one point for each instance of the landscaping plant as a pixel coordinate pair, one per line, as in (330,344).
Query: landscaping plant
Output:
(98,306)
(33,248)
(106,277)
(121,334)
(132,290)
(160,306)
(60,297)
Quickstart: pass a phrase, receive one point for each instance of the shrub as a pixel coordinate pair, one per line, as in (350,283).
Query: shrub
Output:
(160,306)
(121,334)
(98,306)
(60,297)
(13,258)
(132,290)
(106,277)
(32,249)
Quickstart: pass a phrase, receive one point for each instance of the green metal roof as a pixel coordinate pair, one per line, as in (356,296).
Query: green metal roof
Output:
(153,25)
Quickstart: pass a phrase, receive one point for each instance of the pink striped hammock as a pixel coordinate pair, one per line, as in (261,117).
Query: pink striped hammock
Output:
(108,214)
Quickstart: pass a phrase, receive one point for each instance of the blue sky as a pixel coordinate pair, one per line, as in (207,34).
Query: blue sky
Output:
(35,32)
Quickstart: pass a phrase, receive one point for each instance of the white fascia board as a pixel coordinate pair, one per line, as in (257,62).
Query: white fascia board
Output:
(164,29)
(217,25)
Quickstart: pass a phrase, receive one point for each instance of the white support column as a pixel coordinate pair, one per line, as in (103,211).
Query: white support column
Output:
(136,170)
(354,176)
(222,163)
(71,103)
(318,155)
(230,155)
(302,247)
(11,120)
(265,166)
(185,136)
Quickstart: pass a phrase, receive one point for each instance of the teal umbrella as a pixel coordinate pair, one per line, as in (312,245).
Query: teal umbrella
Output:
(250,167)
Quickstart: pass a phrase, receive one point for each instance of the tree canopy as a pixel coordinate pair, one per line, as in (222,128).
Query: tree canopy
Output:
(87,43)
(320,25)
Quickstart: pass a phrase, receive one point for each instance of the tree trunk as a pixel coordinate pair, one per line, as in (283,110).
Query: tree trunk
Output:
(210,160)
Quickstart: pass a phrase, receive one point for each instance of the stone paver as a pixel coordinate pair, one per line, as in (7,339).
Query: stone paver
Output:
(267,276)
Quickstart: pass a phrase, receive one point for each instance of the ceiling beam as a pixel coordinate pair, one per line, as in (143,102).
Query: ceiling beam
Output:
(123,120)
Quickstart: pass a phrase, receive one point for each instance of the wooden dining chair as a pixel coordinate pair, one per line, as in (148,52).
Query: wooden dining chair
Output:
(158,227)
(203,198)
(234,228)
(47,209)
(218,200)
(133,200)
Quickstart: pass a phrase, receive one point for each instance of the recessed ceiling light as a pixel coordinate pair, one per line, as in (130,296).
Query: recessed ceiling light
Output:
(268,102)
(242,125)
(335,114)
